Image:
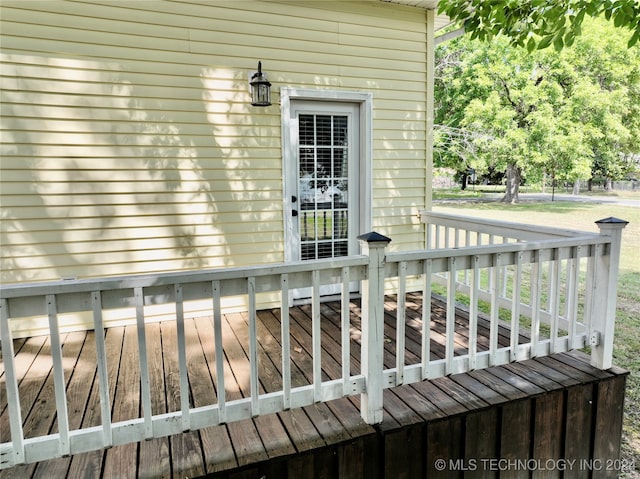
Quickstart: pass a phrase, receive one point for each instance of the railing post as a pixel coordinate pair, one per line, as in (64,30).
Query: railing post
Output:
(603,294)
(372,348)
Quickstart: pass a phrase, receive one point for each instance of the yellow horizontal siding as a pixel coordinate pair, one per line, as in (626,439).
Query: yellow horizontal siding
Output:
(135,226)
(146,262)
(145,238)
(14,155)
(124,210)
(129,145)
(165,74)
(132,140)
(109,199)
(140,247)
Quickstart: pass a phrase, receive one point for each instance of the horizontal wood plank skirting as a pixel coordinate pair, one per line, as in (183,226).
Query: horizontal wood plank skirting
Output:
(542,409)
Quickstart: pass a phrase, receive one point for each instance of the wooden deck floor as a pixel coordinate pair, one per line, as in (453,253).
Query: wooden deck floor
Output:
(324,440)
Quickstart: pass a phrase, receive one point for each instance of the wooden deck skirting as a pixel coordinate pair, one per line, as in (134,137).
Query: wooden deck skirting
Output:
(531,413)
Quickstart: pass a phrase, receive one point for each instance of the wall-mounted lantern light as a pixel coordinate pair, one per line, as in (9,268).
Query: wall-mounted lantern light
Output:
(260,88)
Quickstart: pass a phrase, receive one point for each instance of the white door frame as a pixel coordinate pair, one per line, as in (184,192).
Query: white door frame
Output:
(365,167)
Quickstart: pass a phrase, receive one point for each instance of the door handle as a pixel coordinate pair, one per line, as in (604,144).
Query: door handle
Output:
(294,212)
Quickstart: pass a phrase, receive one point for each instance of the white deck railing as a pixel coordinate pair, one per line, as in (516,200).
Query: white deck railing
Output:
(565,280)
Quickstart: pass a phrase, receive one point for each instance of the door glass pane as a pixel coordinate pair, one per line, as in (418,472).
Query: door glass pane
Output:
(323,130)
(324,186)
(306,128)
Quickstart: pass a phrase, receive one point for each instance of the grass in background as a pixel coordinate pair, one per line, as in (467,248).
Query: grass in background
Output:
(582,216)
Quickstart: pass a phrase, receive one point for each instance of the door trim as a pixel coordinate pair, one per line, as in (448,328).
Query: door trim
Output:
(365,166)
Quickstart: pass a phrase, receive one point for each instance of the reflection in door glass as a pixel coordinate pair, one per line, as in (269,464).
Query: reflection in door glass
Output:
(322,156)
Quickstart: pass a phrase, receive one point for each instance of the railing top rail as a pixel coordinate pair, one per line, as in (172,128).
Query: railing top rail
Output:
(163,279)
(585,240)
(500,228)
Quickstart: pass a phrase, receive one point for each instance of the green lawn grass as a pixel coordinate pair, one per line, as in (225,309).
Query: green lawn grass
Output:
(582,216)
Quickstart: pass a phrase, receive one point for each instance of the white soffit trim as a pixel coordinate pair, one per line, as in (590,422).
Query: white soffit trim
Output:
(441,21)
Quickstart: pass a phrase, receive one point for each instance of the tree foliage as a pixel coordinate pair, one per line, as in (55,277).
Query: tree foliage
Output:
(565,115)
(537,24)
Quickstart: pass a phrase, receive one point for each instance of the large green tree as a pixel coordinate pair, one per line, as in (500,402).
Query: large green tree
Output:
(540,23)
(566,115)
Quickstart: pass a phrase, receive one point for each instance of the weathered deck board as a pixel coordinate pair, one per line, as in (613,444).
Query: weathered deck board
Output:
(542,408)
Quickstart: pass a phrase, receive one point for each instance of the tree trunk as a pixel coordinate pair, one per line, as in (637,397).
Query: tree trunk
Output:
(513,184)
(590,185)
(576,187)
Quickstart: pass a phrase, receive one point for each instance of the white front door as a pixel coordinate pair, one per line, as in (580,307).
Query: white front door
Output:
(322,182)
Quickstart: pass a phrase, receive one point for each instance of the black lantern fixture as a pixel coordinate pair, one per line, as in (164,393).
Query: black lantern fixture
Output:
(260,88)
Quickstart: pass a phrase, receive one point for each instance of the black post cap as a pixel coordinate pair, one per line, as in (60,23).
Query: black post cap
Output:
(374,237)
(611,220)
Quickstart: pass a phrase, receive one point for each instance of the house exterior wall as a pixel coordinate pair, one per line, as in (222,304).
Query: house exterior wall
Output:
(129,144)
